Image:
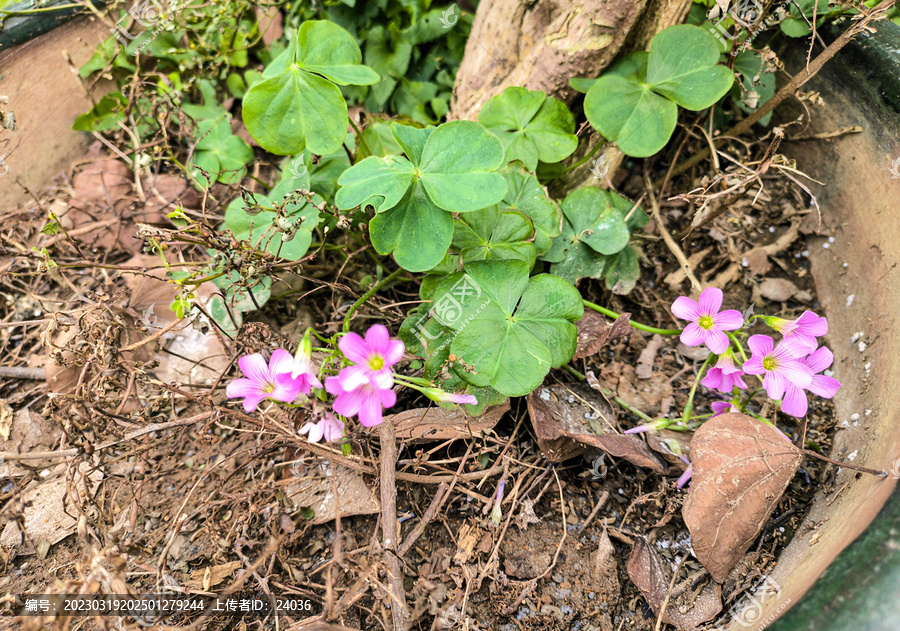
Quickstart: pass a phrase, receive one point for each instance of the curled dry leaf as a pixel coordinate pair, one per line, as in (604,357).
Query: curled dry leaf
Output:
(741,468)
(437,423)
(569,418)
(327,488)
(689,605)
(596,331)
(778,289)
(667,442)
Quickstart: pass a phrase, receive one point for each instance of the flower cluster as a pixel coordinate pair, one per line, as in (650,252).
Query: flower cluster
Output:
(787,369)
(362,388)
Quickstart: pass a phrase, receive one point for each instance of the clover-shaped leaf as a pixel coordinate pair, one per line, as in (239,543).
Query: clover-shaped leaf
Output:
(297,105)
(489,234)
(635,102)
(228,311)
(451,168)
(219,152)
(531,126)
(260,229)
(525,194)
(510,329)
(595,232)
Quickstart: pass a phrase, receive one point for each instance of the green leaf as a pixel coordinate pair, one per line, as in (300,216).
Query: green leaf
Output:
(634,103)
(530,125)
(220,152)
(411,140)
(636,118)
(103,116)
(377,140)
(683,66)
(415,230)
(525,194)
(238,300)
(622,271)
(489,234)
(458,167)
(595,221)
(301,107)
(379,182)
(510,330)
(210,108)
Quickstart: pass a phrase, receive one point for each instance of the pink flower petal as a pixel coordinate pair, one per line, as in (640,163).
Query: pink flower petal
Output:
(693,335)
(684,478)
(333,385)
(289,389)
(774,384)
(377,339)
(710,301)
(382,379)
(795,346)
(825,387)
(738,381)
(713,378)
(794,402)
(315,431)
(760,345)
(753,366)
(349,403)
(811,324)
(354,348)
(720,407)
(716,341)
(686,309)
(352,377)
(254,366)
(370,411)
(795,372)
(394,352)
(388,398)
(730,320)
(280,362)
(240,388)
(252,402)
(819,360)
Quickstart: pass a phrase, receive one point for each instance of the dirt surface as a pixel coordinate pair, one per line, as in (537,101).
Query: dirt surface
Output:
(215,501)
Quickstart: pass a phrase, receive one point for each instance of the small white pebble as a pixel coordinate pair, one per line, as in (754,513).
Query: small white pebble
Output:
(571,399)
(745,262)
(621,492)
(854,417)
(828,373)
(781,529)
(855,423)
(826,245)
(845,424)
(830,239)
(861,346)
(868,366)
(771,228)
(846,265)
(855,337)
(851,457)
(868,412)
(804,253)
(545,395)
(850,299)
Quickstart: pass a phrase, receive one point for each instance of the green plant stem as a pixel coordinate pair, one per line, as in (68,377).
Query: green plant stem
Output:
(737,343)
(609,395)
(365,297)
(587,157)
(689,406)
(359,136)
(637,325)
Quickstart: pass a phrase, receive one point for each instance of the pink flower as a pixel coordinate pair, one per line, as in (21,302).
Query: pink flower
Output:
(652,426)
(780,364)
(436,394)
(329,427)
(721,407)
(262,382)
(794,402)
(362,399)
(804,329)
(707,323)
(303,372)
(373,358)
(725,374)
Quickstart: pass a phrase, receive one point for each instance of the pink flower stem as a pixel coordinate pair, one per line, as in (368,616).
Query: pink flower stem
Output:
(637,325)
(365,297)
(689,406)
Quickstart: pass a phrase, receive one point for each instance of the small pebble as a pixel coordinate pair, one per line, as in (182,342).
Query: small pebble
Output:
(861,346)
(771,228)
(854,417)
(846,265)
(868,412)
(851,457)
(826,245)
(845,424)
(850,299)
(805,253)
(830,239)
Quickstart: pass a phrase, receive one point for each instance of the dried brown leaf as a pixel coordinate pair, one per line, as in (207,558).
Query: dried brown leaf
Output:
(687,607)
(212,575)
(327,489)
(647,357)
(778,289)
(596,331)
(569,418)
(741,468)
